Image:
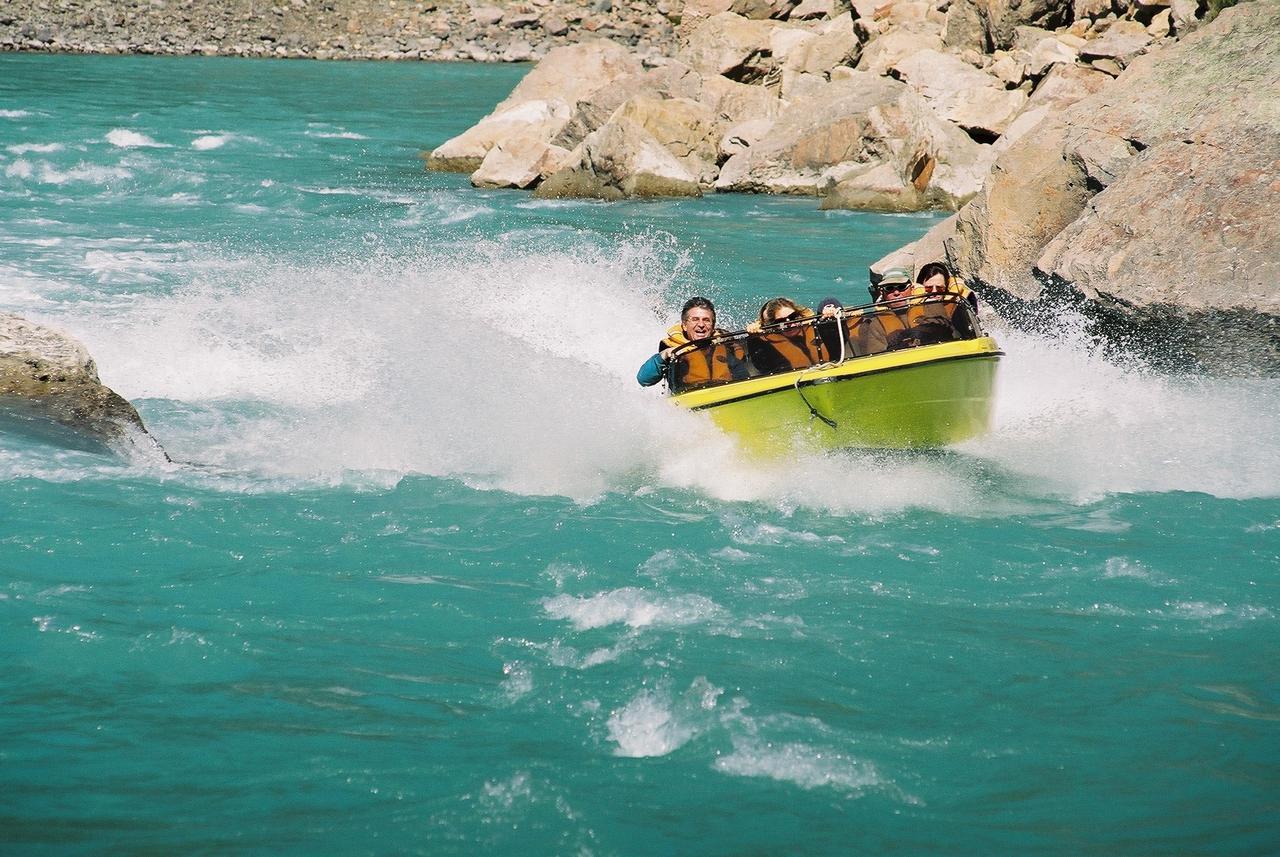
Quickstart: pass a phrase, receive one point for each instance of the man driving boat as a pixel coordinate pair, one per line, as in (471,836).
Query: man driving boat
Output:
(723,362)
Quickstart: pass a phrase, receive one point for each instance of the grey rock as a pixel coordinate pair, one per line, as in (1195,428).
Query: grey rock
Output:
(49,388)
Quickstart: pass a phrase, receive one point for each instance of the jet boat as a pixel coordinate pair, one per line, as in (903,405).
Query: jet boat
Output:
(919,373)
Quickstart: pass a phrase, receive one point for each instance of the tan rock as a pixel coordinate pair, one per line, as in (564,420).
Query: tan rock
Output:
(519,162)
(1062,87)
(735,102)
(743,135)
(486,15)
(1161,24)
(542,103)
(813,9)
(959,93)
(1122,41)
(1008,70)
(1001,18)
(762,9)
(849,127)
(1048,52)
(963,29)
(905,11)
(876,187)
(1159,191)
(620,160)
(867,9)
(1090,9)
(1025,37)
(671,80)
(1222,255)
(897,44)
(807,53)
(1108,67)
(731,45)
(542,118)
(687,129)
(1183,15)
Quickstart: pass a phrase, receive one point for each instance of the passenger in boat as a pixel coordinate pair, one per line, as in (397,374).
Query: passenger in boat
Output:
(942,321)
(783,350)
(829,327)
(936,277)
(884,327)
(723,362)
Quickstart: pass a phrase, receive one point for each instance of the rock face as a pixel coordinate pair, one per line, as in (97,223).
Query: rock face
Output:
(541,105)
(49,387)
(1160,191)
(621,159)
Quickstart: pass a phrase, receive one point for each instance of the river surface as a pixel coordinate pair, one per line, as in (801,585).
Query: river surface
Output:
(431,574)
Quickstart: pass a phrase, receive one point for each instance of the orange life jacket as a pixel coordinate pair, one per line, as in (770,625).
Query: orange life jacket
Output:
(711,363)
(796,348)
(874,332)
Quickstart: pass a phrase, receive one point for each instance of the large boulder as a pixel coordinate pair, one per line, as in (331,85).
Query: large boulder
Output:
(542,104)
(863,141)
(1122,41)
(671,80)
(1062,87)
(685,128)
(620,160)
(880,54)
(964,28)
(1154,198)
(520,161)
(1001,18)
(731,45)
(49,388)
(976,101)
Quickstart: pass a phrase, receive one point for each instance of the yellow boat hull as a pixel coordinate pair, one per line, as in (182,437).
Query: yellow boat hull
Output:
(924,397)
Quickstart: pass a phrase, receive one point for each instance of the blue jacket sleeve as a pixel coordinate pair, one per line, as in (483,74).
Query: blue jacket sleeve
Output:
(651,372)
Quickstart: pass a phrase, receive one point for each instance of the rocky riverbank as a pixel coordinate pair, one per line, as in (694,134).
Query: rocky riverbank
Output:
(1121,155)
(493,31)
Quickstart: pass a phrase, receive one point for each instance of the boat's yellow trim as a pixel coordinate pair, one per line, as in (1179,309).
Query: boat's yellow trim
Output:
(709,397)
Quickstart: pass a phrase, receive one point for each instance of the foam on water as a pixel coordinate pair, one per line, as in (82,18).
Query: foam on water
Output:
(125,138)
(374,363)
(636,608)
(796,762)
(38,148)
(216,140)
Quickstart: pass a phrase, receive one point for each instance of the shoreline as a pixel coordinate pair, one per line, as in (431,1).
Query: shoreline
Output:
(397,30)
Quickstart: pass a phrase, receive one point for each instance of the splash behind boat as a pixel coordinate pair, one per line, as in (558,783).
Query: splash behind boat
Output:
(919,373)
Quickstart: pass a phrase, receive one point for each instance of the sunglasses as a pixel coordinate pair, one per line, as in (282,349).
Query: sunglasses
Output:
(779,319)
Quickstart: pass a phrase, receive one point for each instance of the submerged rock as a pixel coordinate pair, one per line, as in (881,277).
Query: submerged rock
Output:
(49,388)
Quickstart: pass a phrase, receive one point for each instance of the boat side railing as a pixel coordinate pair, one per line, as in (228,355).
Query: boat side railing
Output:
(851,333)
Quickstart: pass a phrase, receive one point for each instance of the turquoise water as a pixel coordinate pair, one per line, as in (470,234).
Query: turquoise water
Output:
(434,576)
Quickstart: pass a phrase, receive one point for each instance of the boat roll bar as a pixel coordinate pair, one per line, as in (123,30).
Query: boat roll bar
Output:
(913,321)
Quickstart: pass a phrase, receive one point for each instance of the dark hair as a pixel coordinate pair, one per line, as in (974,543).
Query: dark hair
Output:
(933,269)
(694,303)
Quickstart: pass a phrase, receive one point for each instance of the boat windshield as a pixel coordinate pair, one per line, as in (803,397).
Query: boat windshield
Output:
(854,332)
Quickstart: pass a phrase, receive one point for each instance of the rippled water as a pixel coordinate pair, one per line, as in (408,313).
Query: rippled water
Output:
(433,575)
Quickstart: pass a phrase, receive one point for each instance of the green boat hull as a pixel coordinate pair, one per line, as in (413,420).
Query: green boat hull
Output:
(921,398)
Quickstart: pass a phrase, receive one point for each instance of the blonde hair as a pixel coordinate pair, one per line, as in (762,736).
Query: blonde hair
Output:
(770,309)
